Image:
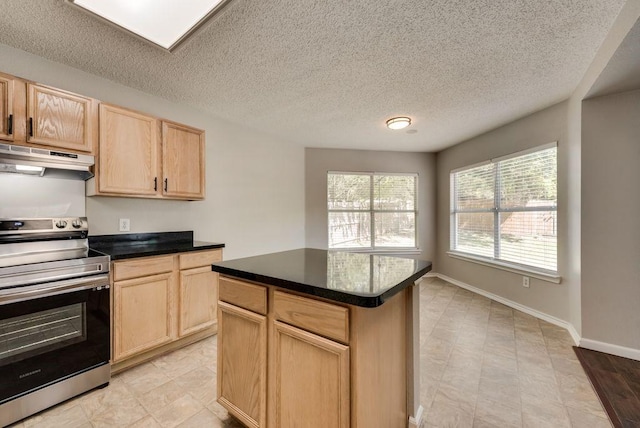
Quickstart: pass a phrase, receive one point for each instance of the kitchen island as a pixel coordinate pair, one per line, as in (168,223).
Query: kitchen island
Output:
(313,337)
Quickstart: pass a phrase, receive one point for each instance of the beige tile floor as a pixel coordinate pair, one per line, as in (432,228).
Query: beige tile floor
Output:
(174,390)
(482,365)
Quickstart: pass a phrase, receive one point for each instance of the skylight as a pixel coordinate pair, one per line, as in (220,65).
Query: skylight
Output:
(165,23)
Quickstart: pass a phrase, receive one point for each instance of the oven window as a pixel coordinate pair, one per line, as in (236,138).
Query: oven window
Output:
(28,335)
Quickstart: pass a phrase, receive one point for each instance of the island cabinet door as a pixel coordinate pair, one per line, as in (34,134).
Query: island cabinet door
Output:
(311,376)
(242,364)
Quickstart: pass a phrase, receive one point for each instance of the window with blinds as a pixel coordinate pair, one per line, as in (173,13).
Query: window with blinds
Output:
(372,211)
(506,209)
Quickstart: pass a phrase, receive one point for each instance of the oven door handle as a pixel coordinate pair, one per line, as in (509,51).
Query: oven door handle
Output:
(38,252)
(20,294)
(50,274)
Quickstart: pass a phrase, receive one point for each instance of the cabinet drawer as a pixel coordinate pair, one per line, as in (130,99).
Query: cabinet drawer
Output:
(248,296)
(199,258)
(141,267)
(322,318)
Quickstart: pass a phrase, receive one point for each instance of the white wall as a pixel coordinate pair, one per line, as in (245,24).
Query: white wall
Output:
(319,161)
(573,209)
(255,184)
(610,226)
(593,77)
(540,128)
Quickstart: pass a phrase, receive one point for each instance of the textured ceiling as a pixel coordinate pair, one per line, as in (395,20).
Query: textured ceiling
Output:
(329,73)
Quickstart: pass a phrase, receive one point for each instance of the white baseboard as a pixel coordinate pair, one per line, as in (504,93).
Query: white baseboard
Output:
(594,345)
(415,421)
(620,351)
(574,334)
(522,308)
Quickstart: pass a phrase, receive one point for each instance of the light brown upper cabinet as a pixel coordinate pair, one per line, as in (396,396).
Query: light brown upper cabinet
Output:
(40,116)
(145,157)
(6,108)
(61,119)
(182,161)
(12,108)
(129,151)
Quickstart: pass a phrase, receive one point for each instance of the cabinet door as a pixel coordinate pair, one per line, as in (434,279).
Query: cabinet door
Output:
(128,163)
(311,376)
(6,108)
(182,161)
(13,109)
(143,314)
(198,300)
(242,364)
(61,119)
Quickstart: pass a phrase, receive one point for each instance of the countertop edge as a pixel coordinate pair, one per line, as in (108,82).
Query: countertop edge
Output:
(159,252)
(354,299)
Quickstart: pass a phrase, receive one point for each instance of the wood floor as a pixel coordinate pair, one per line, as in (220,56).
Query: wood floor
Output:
(617,383)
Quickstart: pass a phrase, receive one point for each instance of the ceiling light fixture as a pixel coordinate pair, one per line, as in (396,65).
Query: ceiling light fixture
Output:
(396,123)
(165,23)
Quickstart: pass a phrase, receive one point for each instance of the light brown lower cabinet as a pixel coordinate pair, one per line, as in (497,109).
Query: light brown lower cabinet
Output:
(143,314)
(291,360)
(197,300)
(242,356)
(311,379)
(161,303)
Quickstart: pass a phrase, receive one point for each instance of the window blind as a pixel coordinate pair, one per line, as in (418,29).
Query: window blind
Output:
(507,209)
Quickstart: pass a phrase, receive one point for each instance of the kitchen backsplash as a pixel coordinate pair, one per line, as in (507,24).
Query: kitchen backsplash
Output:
(22,196)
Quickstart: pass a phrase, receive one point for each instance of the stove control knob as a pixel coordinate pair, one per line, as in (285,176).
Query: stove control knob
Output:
(61,224)
(77,223)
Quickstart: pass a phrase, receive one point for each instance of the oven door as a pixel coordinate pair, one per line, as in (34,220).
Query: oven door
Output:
(49,332)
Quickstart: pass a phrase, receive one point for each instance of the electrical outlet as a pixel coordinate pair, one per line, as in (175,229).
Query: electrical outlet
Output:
(525,281)
(125,225)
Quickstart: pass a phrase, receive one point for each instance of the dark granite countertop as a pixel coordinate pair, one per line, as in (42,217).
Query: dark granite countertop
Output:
(131,245)
(359,279)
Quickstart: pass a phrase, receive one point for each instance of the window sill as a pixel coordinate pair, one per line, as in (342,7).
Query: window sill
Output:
(395,252)
(509,267)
